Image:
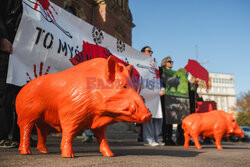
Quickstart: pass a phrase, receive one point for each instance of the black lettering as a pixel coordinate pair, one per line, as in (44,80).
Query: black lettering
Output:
(40,31)
(45,40)
(62,47)
(76,51)
(71,51)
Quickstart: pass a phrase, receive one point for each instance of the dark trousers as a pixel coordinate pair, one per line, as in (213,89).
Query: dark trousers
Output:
(179,135)
(8,117)
(167,129)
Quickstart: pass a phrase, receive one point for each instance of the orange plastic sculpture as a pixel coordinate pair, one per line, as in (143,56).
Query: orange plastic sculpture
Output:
(215,124)
(90,95)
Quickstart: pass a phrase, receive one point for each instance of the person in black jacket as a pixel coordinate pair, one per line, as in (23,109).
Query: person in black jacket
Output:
(10,16)
(167,129)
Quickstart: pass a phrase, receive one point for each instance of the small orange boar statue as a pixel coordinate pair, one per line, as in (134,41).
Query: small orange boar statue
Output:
(91,95)
(215,124)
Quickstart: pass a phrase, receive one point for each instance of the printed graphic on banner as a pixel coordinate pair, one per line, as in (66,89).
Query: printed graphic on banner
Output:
(120,46)
(97,35)
(40,71)
(43,7)
(176,109)
(176,83)
(151,68)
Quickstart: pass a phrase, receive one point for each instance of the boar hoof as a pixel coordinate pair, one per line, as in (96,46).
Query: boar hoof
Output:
(43,150)
(199,147)
(219,148)
(107,153)
(68,155)
(25,151)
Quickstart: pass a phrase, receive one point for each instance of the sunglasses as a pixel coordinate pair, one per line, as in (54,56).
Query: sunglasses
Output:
(170,61)
(149,51)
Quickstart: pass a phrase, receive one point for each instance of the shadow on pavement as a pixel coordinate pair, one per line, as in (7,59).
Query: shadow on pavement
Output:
(156,152)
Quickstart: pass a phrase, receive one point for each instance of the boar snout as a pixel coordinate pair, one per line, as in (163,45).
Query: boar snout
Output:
(241,134)
(238,132)
(144,114)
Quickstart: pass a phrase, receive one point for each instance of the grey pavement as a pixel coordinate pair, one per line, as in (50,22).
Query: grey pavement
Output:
(128,152)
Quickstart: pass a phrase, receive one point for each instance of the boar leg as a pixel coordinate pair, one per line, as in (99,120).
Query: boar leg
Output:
(42,131)
(195,137)
(100,134)
(217,138)
(67,140)
(25,131)
(187,139)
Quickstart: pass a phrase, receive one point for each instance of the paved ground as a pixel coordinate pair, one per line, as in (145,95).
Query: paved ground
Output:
(131,153)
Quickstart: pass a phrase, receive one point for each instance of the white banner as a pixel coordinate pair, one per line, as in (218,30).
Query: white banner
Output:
(50,40)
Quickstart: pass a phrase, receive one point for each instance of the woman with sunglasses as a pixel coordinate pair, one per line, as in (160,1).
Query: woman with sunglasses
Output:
(167,129)
(152,128)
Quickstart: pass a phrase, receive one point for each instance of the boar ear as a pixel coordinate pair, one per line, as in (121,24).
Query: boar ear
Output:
(233,115)
(130,70)
(111,69)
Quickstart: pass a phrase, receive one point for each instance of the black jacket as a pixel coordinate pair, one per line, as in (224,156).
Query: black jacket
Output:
(10,16)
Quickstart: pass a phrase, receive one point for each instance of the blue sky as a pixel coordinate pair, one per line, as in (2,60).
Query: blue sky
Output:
(219,28)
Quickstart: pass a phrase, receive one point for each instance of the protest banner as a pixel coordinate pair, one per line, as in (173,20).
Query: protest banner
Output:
(177,105)
(49,40)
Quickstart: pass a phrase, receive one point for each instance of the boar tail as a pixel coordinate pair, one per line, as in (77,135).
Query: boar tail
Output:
(183,125)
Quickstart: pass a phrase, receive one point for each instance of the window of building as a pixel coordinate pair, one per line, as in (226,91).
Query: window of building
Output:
(231,81)
(120,3)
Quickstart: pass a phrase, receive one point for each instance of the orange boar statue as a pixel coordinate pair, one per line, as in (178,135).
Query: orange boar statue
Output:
(215,124)
(91,95)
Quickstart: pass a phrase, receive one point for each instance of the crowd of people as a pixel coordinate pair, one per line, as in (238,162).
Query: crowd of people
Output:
(150,131)
(10,16)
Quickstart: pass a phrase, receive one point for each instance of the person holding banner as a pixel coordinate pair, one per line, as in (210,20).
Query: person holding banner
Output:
(175,103)
(10,15)
(152,128)
(167,129)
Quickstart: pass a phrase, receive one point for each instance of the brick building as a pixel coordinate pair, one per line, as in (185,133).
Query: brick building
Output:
(111,16)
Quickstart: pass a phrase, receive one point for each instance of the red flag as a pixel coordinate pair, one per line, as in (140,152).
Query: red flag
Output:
(197,71)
